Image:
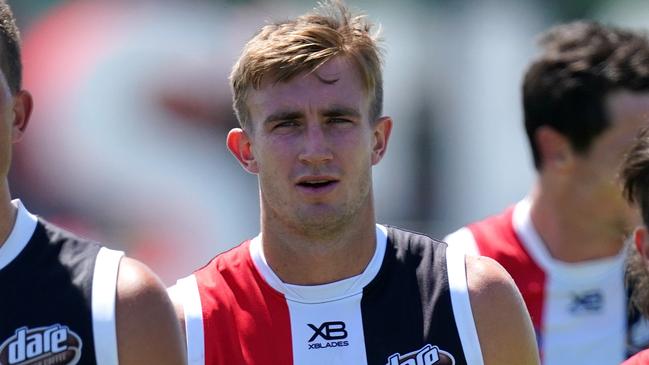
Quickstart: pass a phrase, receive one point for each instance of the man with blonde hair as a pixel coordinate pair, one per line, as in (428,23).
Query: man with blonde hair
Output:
(323,283)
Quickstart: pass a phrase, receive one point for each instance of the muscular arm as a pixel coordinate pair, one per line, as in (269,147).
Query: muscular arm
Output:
(504,327)
(147,329)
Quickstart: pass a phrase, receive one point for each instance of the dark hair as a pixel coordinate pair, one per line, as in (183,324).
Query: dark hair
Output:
(635,179)
(581,64)
(635,174)
(10,63)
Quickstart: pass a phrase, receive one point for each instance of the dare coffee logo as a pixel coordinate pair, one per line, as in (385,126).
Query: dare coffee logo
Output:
(427,355)
(53,345)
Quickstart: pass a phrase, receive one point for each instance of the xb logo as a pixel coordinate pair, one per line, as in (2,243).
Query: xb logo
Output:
(333,334)
(329,331)
(587,302)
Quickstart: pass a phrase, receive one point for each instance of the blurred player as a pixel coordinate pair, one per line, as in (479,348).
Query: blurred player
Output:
(584,99)
(635,175)
(323,283)
(64,300)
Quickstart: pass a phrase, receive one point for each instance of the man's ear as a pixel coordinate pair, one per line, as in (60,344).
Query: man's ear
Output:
(554,149)
(641,241)
(382,130)
(22,111)
(240,146)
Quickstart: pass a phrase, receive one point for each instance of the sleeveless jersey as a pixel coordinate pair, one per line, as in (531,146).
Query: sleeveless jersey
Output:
(579,310)
(57,295)
(409,306)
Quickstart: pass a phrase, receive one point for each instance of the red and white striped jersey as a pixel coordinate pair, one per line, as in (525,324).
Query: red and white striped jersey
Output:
(579,310)
(409,306)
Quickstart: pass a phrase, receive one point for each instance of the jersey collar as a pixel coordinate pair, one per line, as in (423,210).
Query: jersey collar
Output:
(20,235)
(325,292)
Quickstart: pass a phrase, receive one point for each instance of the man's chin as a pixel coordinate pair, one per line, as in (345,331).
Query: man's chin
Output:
(322,219)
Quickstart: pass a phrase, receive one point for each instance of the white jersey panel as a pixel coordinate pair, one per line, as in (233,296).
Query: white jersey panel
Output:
(20,234)
(584,313)
(104,292)
(456,268)
(186,292)
(463,239)
(328,333)
(585,326)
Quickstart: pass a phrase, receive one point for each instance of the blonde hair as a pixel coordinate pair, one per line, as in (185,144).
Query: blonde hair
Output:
(289,48)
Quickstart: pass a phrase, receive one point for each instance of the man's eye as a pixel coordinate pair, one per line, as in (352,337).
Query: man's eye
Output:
(339,120)
(286,124)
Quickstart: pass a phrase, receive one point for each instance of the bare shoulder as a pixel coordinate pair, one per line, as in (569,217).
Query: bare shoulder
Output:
(504,327)
(147,329)
(484,275)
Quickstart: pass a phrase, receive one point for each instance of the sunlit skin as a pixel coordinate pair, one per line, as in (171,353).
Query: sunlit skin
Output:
(312,145)
(14,115)
(578,207)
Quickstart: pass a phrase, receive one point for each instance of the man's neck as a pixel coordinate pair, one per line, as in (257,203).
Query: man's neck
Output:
(7,213)
(311,260)
(569,235)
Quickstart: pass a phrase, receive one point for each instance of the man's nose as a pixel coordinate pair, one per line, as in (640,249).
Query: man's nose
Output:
(316,147)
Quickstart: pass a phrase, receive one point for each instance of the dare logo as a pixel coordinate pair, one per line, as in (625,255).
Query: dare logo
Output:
(427,355)
(53,345)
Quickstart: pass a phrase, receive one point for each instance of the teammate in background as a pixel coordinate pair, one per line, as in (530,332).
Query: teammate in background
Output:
(64,300)
(635,176)
(323,283)
(584,98)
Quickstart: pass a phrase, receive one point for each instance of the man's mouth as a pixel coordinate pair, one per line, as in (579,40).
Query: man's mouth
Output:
(317,183)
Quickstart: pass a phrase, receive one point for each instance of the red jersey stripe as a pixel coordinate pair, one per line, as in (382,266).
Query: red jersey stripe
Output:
(496,238)
(251,326)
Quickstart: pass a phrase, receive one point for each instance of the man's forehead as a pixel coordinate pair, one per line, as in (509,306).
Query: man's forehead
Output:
(330,72)
(334,69)
(335,82)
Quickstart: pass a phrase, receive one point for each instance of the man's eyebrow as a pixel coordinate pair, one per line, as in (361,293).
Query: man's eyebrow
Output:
(333,111)
(340,110)
(283,115)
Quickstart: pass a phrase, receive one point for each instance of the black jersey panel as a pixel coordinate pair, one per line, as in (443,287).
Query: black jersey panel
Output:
(46,297)
(407,308)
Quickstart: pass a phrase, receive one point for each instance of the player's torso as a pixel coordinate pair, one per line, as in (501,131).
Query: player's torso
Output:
(579,311)
(399,314)
(46,300)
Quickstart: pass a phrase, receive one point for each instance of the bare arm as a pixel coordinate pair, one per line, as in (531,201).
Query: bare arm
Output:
(504,327)
(147,329)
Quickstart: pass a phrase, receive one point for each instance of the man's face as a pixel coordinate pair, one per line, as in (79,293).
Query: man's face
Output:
(598,169)
(313,147)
